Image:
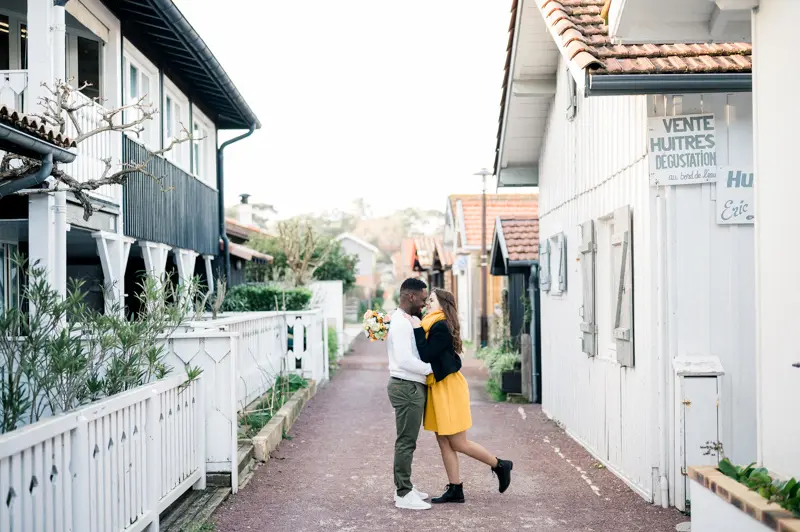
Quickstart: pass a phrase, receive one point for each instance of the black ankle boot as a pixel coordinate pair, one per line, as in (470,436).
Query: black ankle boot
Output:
(503,472)
(454,493)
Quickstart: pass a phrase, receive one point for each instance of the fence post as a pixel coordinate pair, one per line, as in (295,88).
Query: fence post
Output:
(234,441)
(325,347)
(153,457)
(200,432)
(81,493)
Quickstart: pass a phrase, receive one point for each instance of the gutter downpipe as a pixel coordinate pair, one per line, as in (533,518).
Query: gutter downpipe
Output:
(221,200)
(663,359)
(31,181)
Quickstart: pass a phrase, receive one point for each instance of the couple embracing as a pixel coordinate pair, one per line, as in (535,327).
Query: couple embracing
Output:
(426,382)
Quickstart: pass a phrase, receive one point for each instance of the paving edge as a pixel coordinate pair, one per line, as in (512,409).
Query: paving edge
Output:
(269,437)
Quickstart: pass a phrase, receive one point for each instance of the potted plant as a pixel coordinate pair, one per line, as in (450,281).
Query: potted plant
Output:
(509,367)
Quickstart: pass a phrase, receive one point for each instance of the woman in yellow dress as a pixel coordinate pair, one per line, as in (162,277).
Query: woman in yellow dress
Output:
(447,412)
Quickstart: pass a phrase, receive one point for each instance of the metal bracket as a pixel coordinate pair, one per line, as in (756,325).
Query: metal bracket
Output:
(687,402)
(796,365)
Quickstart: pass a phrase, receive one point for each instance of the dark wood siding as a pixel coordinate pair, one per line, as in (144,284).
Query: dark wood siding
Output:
(179,210)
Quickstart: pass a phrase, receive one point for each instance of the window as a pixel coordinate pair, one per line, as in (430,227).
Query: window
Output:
(606,256)
(203,144)
(197,150)
(89,66)
(9,277)
(23,46)
(557,267)
(175,117)
(140,84)
(605,288)
(5,43)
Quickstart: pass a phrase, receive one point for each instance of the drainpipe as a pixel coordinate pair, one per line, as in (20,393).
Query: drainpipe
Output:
(31,181)
(663,358)
(221,200)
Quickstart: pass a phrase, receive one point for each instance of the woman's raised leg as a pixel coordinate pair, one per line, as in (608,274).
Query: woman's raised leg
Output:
(460,444)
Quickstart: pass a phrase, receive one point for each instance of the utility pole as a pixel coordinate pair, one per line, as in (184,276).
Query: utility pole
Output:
(484,263)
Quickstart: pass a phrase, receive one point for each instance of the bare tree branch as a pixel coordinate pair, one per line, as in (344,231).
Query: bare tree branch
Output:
(64,105)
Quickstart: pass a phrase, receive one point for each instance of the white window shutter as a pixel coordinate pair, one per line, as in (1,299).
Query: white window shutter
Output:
(544,270)
(587,251)
(562,263)
(623,264)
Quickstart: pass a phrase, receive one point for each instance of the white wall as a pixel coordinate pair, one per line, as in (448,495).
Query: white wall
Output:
(778,282)
(589,167)
(329,296)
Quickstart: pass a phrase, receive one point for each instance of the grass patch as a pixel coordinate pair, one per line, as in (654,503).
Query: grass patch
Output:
(285,386)
(201,527)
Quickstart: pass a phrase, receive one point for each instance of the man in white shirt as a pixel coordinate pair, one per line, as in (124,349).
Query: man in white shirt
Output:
(407,391)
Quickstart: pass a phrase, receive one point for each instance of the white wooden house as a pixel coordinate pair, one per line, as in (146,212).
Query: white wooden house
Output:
(648,314)
(125,50)
(761,22)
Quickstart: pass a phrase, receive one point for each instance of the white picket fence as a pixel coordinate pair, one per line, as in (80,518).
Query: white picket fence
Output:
(111,466)
(116,464)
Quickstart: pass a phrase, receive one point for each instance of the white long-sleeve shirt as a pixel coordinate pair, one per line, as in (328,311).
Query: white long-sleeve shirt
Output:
(404,362)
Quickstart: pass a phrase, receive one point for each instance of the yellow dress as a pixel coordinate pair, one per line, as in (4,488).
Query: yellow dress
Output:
(447,409)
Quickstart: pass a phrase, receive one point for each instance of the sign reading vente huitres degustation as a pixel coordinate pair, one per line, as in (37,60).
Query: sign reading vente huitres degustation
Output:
(682,150)
(735,198)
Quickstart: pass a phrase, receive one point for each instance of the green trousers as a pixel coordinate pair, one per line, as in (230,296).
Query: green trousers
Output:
(408,401)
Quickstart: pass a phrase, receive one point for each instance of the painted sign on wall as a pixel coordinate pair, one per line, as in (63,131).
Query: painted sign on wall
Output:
(735,199)
(682,149)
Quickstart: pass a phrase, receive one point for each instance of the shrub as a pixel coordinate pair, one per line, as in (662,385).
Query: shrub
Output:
(263,297)
(333,343)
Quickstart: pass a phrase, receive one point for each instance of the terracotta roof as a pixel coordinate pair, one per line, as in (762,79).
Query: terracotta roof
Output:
(35,127)
(245,252)
(430,248)
(522,238)
(233,227)
(581,31)
(505,206)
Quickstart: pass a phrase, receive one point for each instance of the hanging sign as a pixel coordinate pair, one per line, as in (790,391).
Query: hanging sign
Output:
(682,149)
(735,198)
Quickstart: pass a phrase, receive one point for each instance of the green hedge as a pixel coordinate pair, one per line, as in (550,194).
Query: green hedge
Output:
(260,297)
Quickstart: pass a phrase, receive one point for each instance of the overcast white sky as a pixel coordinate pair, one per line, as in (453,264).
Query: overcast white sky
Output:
(396,102)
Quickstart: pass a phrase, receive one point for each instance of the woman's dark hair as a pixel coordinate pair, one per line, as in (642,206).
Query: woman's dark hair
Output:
(448,302)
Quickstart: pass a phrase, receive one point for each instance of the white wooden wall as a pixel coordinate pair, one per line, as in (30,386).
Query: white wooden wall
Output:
(589,167)
(712,273)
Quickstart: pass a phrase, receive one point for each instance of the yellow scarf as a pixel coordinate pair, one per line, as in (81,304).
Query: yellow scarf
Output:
(430,319)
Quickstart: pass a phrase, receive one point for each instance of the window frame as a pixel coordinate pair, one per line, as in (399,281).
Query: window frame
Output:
(71,49)
(206,173)
(151,138)
(9,295)
(558,246)
(605,287)
(180,154)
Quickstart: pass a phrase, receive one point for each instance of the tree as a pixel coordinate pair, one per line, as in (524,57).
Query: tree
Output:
(327,260)
(60,107)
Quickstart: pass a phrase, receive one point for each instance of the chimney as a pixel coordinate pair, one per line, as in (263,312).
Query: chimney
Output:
(245,212)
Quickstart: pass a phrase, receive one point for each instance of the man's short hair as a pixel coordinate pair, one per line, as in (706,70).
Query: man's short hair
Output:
(412,284)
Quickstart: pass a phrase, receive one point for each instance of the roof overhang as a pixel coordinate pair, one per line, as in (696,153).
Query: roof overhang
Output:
(499,265)
(657,21)
(159,29)
(529,87)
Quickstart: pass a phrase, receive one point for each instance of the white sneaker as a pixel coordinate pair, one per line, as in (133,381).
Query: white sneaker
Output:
(420,494)
(411,501)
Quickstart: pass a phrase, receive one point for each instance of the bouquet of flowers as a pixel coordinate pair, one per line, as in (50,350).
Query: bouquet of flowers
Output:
(376,324)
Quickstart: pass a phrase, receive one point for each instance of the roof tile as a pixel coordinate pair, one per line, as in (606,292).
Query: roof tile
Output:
(593,48)
(505,206)
(522,238)
(34,126)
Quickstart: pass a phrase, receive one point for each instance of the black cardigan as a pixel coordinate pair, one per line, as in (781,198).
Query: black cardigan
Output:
(437,350)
